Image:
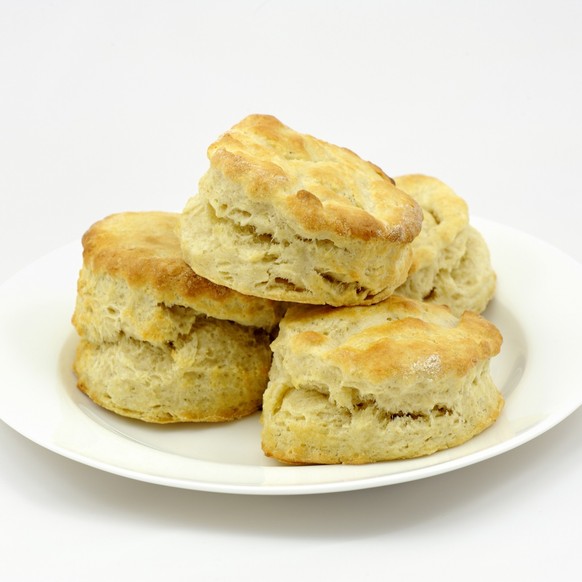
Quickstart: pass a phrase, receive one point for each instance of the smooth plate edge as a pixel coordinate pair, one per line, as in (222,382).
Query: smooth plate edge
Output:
(512,253)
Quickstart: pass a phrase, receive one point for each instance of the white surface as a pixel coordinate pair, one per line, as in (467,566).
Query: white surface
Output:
(108,106)
(539,381)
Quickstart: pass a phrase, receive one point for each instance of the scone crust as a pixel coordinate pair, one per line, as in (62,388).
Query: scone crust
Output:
(142,251)
(398,379)
(395,339)
(321,187)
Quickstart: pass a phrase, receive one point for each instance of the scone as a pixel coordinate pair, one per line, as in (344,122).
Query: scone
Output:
(285,216)
(395,380)
(158,342)
(451,264)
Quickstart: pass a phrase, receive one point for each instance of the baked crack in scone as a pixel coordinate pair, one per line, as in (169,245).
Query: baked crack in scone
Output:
(157,341)
(285,216)
(451,264)
(395,380)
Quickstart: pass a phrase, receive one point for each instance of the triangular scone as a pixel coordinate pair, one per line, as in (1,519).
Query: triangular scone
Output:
(395,380)
(286,216)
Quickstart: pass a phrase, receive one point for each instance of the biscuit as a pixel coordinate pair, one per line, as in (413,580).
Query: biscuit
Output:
(395,380)
(158,342)
(451,264)
(285,216)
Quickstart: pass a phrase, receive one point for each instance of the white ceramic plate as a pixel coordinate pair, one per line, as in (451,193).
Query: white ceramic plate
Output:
(537,371)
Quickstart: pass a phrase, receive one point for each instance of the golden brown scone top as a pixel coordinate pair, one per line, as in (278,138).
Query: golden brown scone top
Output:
(398,338)
(445,216)
(323,187)
(144,249)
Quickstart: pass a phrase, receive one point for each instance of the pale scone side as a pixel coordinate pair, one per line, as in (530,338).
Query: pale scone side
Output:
(451,264)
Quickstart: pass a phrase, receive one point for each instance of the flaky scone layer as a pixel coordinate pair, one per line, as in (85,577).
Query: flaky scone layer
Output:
(451,264)
(398,379)
(217,372)
(462,278)
(445,216)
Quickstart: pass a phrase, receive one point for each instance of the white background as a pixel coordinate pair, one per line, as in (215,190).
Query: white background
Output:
(109,106)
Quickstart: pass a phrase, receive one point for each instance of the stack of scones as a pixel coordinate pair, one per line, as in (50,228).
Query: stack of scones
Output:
(302,281)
